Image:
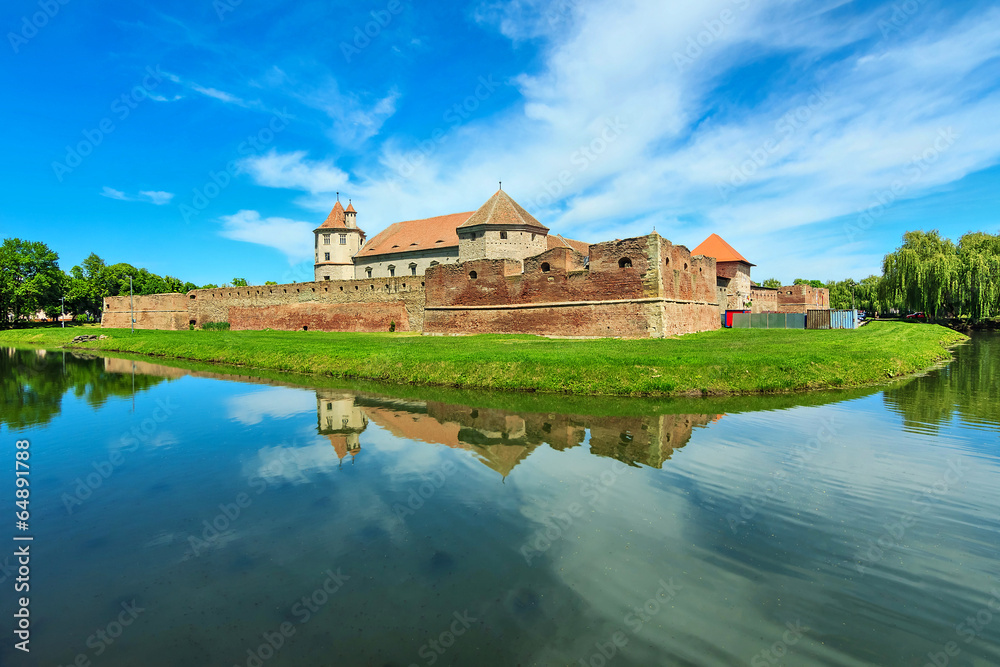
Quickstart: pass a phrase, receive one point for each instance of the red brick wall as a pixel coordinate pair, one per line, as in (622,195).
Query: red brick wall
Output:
(321,317)
(604,299)
(764,300)
(800,298)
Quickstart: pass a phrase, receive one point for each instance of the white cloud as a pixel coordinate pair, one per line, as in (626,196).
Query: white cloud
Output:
(294,171)
(674,75)
(282,234)
(156,197)
(272,403)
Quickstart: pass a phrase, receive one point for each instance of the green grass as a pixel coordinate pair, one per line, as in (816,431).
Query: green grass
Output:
(729,361)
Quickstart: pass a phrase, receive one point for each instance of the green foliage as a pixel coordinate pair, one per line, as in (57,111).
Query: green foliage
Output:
(771,283)
(30,280)
(270,282)
(932,274)
(240,282)
(392,326)
(33,384)
(215,326)
(811,283)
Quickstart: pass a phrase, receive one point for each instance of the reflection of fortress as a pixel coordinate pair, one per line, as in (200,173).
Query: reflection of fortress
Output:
(500,438)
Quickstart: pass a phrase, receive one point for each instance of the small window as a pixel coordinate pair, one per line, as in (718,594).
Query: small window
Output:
(369,271)
(413,269)
(472,275)
(392,271)
(326,239)
(545,267)
(503,235)
(625,263)
(326,256)
(685,266)
(326,277)
(343,239)
(666,262)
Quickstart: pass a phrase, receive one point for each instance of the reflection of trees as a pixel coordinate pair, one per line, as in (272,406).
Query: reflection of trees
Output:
(33,383)
(968,387)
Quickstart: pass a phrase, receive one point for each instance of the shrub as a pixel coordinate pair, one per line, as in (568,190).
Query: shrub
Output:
(392,326)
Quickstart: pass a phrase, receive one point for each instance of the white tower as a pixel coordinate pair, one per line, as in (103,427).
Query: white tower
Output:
(338,240)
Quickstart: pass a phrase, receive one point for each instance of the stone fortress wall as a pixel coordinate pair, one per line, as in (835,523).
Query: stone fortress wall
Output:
(633,288)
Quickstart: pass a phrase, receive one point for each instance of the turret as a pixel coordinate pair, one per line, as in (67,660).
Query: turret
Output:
(501,229)
(337,241)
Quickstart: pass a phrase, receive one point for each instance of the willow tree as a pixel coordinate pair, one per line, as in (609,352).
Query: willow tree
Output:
(979,282)
(931,274)
(922,274)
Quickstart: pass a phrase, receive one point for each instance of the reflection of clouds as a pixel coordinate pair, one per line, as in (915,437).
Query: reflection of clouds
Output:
(273,402)
(294,464)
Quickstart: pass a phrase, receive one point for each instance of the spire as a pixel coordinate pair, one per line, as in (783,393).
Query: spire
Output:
(336,219)
(350,207)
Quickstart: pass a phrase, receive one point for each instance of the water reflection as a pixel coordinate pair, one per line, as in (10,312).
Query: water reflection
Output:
(764,511)
(33,383)
(968,388)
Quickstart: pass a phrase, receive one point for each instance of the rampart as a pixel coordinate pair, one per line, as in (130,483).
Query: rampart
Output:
(154,311)
(800,298)
(633,288)
(330,305)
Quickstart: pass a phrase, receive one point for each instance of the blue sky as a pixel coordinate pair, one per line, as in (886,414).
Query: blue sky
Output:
(206,140)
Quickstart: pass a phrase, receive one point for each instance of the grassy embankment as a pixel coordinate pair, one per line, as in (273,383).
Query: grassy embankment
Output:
(733,361)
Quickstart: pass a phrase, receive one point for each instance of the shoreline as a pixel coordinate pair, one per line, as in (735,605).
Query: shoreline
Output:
(707,364)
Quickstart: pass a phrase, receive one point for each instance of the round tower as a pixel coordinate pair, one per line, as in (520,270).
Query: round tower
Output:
(337,241)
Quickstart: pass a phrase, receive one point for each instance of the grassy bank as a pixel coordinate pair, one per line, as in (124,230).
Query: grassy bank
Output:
(739,361)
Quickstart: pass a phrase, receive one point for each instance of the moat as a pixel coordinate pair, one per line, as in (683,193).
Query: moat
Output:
(195,517)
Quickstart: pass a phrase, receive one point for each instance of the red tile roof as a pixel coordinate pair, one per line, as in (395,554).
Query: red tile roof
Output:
(427,234)
(715,247)
(502,210)
(556,241)
(350,207)
(336,218)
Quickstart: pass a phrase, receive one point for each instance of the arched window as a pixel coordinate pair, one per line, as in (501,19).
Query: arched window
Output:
(472,275)
(625,263)
(545,267)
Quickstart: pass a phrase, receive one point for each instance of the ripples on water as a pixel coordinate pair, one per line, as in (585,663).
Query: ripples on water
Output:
(541,529)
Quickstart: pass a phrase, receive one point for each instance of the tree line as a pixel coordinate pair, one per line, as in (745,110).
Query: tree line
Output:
(32,282)
(930,274)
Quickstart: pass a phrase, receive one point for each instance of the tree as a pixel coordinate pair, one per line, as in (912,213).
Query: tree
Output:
(30,280)
(811,283)
(772,283)
(240,282)
(922,275)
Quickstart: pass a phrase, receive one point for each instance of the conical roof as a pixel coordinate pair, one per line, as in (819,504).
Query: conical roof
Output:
(502,210)
(715,246)
(336,218)
(350,207)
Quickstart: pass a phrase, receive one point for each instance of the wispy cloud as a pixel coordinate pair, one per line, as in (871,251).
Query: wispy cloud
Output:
(831,116)
(282,234)
(157,197)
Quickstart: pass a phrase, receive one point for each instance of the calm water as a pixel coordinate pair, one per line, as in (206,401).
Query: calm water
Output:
(182,517)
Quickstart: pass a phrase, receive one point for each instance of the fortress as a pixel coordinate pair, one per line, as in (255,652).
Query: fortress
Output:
(494,270)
